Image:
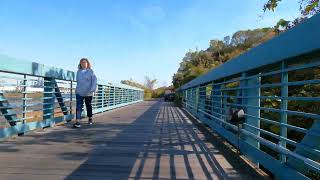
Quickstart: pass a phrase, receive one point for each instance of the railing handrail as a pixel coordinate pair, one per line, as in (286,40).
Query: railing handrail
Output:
(275,86)
(56,90)
(25,67)
(294,42)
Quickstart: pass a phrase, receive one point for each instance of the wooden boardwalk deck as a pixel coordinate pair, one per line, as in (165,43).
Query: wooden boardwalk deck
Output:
(148,140)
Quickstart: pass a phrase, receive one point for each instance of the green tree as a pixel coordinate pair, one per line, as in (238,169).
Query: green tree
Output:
(308,8)
(149,91)
(196,63)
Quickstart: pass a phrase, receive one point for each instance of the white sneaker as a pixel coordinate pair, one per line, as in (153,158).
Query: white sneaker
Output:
(90,121)
(77,125)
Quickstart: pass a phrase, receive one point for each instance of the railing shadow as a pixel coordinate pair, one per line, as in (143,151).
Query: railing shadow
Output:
(115,158)
(222,147)
(161,143)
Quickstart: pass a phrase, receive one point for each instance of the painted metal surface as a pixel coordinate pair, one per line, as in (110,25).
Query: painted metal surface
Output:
(298,41)
(277,85)
(36,96)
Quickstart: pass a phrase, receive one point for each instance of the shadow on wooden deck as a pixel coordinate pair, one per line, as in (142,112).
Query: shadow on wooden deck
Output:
(148,140)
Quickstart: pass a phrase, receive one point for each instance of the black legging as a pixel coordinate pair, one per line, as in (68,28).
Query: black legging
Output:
(87,100)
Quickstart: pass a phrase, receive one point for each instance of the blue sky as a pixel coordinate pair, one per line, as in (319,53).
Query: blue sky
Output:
(125,39)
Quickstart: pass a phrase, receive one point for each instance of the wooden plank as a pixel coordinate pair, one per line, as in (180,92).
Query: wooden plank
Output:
(142,141)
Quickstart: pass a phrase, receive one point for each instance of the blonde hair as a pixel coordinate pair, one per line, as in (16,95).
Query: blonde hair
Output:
(84,59)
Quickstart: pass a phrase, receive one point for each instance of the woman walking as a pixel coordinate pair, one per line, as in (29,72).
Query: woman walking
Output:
(86,86)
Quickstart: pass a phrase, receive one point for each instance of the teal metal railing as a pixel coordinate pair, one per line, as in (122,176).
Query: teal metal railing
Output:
(277,85)
(36,96)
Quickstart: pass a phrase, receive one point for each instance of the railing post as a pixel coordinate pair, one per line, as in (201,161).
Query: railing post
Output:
(121,95)
(201,102)
(102,97)
(224,99)
(130,96)
(254,102)
(71,94)
(217,101)
(109,96)
(136,95)
(184,101)
(195,105)
(189,99)
(193,101)
(107,92)
(24,101)
(284,106)
(114,96)
(124,96)
(48,98)
(197,99)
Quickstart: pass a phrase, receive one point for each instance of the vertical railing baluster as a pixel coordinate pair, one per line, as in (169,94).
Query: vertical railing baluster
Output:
(108,96)
(102,98)
(217,101)
(114,96)
(201,101)
(185,92)
(224,99)
(127,98)
(252,102)
(125,95)
(71,94)
(48,100)
(24,101)
(197,99)
(121,95)
(284,106)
